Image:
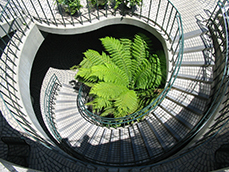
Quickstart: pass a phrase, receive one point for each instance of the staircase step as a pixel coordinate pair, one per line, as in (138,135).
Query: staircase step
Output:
(197,71)
(195,86)
(197,63)
(168,128)
(139,147)
(180,111)
(186,105)
(199,56)
(78,138)
(126,150)
(194,49)
(104,144)
(114,149)
(157,135)
(150,141)
(192,34)
(180,119)
(192,92)
(92,143)
(200,79)
(171,121)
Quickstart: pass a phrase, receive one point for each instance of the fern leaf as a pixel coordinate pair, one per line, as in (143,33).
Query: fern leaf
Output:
(127,43)
(126,103)
(109,110)
(143,75)
(120,56)
(84,74)
(156,70)
(139,49)
(107,90)
(110,73)
(93,57)
(99,103)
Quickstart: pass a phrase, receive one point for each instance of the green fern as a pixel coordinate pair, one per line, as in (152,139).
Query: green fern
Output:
(124,81)
(118,53)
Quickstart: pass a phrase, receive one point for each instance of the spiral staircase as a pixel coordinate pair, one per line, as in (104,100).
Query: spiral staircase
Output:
(43,126)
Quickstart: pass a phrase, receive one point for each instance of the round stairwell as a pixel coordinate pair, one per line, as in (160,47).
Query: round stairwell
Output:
(97,148)
(140,143)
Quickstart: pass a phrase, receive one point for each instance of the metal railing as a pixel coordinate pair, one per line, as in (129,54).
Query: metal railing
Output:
(218,25)
(171,26)
(48,109)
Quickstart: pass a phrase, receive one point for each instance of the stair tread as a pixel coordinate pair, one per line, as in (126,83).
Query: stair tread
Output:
(189,91)
(159,138)
(186,123)
(197,63)
(186,105)
(203,79)
(168,127)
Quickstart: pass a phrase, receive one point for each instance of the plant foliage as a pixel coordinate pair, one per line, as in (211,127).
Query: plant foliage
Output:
(125,78)
(71,6)
(128,3)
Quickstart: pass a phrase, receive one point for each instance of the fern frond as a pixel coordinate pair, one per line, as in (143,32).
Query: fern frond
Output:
(99,103)
(84,74)
(139,48)
(107,90)
(120,56)
(126,103)
(161,55)
(93,57)
(127,43)
(156,70)
(110,73)
(109,110)
(143,75)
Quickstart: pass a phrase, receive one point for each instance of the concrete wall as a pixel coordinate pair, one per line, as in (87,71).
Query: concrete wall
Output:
(27,54)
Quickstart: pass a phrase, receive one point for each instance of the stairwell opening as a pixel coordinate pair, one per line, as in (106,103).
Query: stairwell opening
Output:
(59,52)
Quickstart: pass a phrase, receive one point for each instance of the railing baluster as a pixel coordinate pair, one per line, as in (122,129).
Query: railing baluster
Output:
(43,11)
(36,11)
(174,19)
(165,14)
(19,11)
(58,6)
(25,8)
(89,12)
(169,19)
(149,11)
(158,9)
(51,12)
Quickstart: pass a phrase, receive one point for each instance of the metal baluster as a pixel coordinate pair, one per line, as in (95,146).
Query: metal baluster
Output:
(169,19)
(36,11)
(52,12)
(89,12)
(158,8)
(174,19)
(174,39)
(97,7)
(149,11)
(58,5)
(19,11)
(25,8)
(43,11)
(165,14)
